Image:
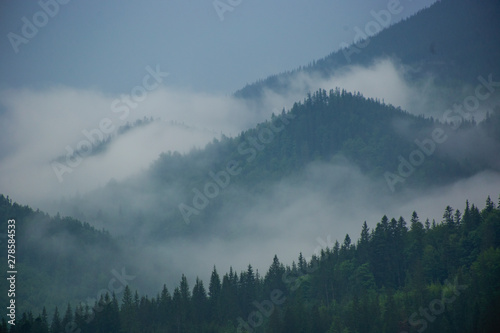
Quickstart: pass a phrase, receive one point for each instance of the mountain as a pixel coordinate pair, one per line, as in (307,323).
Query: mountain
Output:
(311,168)
(453,41)
(394,148)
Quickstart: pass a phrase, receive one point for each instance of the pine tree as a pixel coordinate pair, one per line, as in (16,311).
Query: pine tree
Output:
(165,305)
(184,303)
(488,207)
(56,326)
(80,318)
(128,311)
(214,294)
(302,263)
(178,311)
(68,318)
(476,218)
(45,320)
(345,249)
(200,303)
(229,305)
(248,289)
(365,234)
(448,217)
(457,218)
(415,244)
(274,277)
(214,286)
(113,315)
(380,254)
(336,249)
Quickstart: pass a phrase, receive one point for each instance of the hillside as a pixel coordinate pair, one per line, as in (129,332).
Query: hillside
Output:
(454,41)
(319,167)
(323,128)
(58,259)
(438,277)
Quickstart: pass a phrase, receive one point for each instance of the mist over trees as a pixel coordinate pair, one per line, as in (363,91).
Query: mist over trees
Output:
(177,245)
(375,137)
(61,259)
(400,276)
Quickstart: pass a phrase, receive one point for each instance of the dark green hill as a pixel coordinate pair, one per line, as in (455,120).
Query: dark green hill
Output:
(372,136)
(58,260)
(398,277)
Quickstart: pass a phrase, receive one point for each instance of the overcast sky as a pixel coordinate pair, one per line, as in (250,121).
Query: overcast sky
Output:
(106,45)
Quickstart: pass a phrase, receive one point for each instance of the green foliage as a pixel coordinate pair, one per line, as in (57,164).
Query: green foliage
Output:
(411,279)
(326,126)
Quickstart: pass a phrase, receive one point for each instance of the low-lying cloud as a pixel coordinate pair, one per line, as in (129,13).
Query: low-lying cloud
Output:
(327,202)
(39,126)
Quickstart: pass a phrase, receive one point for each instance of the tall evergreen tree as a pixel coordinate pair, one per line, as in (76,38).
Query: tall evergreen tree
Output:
(274,277)
(165,306)
(128,311)
(68,318)
(363,247)
(199,303)
(448,217)
(415,245)
(56,326)
(214,294)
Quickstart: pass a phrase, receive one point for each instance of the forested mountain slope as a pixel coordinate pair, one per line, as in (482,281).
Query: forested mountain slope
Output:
(399,277)
(454,41)
(58,259)
(325,126)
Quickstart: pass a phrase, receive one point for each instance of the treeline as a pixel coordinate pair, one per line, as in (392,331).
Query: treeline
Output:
(99,145)
(324,125)
(433,276)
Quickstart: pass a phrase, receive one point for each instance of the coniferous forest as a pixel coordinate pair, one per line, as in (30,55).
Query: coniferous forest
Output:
(401,276)
(142,192)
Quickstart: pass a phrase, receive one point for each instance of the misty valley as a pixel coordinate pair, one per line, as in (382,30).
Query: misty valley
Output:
(357,193)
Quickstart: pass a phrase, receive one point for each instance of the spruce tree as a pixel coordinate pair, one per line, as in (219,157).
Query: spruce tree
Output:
(56,326)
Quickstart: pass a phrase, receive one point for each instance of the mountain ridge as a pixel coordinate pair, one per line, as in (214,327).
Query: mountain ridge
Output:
(422,42)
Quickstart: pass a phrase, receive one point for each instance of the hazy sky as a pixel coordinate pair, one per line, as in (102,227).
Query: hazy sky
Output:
(106,45)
